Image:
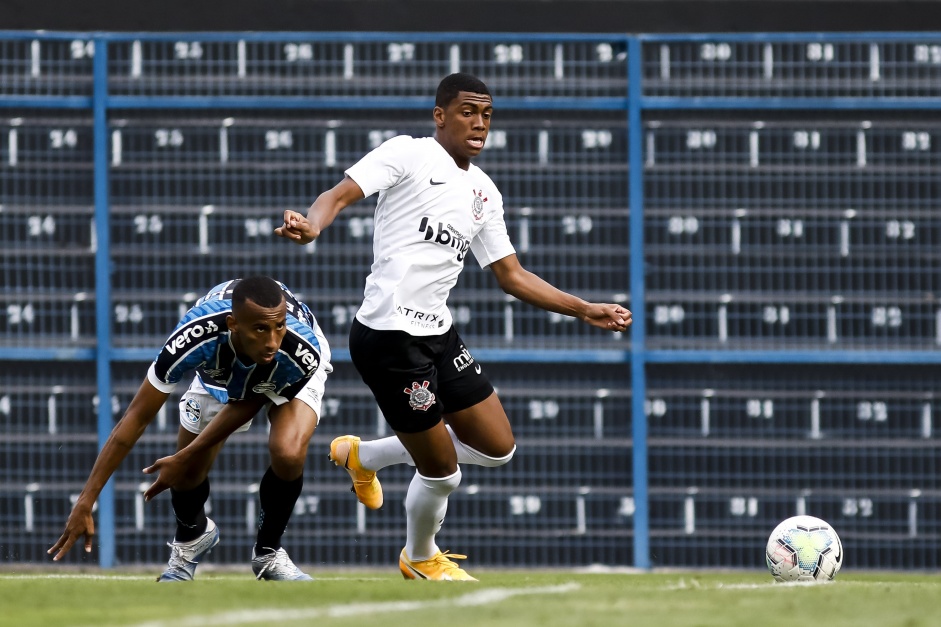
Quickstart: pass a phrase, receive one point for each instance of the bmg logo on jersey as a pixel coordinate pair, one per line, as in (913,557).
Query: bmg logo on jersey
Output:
(446,236)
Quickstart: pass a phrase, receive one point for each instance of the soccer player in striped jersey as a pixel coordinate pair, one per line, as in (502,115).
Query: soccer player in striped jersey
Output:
(252,345)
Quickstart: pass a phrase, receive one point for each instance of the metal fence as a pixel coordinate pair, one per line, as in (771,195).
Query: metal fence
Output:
(766,205)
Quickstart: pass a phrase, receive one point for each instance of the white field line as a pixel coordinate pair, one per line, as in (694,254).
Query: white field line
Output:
(273,615)
(693,584)
(775,585)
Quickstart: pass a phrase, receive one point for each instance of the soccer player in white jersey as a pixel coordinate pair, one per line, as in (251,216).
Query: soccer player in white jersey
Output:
(252,345)
(434,205)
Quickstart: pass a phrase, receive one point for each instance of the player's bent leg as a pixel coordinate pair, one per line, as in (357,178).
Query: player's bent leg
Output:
(189,508)
(363,459)
(189,496)
(277,498)
(432,450)
(200,465)
(292,426)
(344,452)
(195,534)
(485,431)
(426,505)
(374,455)
(467,455)
(482,425)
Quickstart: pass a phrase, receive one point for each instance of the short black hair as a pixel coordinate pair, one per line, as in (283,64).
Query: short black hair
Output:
(452,84)
(261,290)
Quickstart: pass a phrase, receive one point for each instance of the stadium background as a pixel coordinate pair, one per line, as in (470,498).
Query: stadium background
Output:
(782,248)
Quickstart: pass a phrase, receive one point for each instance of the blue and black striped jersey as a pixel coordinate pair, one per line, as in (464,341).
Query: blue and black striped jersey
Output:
(201,342)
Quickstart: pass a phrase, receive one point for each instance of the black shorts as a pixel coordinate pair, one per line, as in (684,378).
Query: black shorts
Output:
(416,379)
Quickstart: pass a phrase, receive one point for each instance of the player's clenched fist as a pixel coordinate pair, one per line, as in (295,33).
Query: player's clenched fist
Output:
(608,316)
(296,228)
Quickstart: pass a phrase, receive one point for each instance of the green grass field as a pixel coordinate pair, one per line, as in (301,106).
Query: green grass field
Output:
(516,598)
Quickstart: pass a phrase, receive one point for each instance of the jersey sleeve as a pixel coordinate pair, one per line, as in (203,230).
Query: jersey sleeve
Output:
(187,348)
(383,167)
(157,382)
(492,243)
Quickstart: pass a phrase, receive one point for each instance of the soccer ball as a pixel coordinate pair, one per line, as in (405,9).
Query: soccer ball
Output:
(804,548)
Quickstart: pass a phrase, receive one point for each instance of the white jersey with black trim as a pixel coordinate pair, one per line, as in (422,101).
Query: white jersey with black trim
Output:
(429,213)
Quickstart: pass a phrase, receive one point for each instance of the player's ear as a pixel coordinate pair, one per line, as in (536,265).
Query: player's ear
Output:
(439,116)
(230,323)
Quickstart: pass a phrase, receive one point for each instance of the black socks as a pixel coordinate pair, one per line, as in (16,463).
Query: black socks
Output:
(190,511)
(278,498)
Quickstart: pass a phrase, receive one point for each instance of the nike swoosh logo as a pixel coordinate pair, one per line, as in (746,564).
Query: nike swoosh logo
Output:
(477,368)
(434,182)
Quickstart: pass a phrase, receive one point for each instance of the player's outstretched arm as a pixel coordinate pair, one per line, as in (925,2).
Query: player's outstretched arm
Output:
(529,288)
(140,413)
(170,470)
(304,230)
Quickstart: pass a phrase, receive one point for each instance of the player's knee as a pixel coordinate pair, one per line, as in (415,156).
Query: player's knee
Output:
(492,454)
(507,456)
(442,486)
(287,458)
(492,461)
(490,449)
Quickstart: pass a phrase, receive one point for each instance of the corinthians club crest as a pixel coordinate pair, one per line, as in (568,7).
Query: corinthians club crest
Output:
(477,208)
(419,396)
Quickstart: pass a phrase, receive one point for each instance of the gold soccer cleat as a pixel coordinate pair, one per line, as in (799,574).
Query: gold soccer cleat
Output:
(438,568)
(344,452)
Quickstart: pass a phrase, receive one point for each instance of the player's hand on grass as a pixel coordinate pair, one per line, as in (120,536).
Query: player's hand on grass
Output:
(80,523)
(296,228)
(170,471)
(608,316)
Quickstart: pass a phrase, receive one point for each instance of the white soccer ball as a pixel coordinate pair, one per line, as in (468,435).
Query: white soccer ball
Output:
(804,548)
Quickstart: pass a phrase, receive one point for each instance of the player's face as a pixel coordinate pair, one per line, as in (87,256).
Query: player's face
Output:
(257,331)
(463,125)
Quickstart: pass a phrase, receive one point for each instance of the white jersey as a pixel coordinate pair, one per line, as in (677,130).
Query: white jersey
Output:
(430,212)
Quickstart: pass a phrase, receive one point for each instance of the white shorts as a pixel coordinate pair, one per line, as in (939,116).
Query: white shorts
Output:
(198,407)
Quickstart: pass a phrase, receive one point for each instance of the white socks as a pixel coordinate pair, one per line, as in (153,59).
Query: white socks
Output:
(426,502)
(377,454)
(425,506)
